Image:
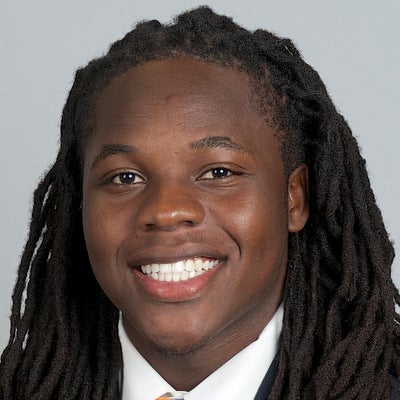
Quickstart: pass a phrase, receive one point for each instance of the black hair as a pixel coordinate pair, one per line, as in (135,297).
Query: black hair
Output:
(340,335)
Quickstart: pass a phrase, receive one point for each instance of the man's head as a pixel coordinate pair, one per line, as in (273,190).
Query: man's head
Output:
(180,169)
(145,98)
(339,316)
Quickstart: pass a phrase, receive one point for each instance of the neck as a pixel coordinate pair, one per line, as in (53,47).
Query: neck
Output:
(185,368)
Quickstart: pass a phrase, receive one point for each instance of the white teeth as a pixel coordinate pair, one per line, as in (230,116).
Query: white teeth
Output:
(163,268)
(198,264)
(147,269)
(178,267)
(176,276)
(184,276)
(189,265)
(179,271)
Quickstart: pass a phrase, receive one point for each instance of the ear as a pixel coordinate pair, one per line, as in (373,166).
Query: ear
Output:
(298,205)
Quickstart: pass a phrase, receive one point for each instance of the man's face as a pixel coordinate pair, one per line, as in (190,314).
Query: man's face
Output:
(185,206)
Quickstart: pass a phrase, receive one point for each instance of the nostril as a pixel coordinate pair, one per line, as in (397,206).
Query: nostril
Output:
(172,220)
(169,209)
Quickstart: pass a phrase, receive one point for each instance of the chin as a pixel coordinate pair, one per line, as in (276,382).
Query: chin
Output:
(178,345)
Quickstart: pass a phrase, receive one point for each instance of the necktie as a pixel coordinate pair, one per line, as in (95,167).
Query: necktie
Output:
(172,396)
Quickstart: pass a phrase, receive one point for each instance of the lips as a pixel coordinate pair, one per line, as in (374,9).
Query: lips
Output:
(180,270)
(176,280)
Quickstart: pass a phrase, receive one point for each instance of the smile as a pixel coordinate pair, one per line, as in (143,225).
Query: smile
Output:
(179,271)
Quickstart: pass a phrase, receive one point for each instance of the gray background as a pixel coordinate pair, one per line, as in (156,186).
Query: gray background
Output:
(353,44)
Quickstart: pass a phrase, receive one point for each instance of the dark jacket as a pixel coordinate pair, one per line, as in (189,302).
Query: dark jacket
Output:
(268,381)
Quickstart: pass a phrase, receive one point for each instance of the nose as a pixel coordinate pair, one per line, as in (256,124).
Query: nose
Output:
(167,207)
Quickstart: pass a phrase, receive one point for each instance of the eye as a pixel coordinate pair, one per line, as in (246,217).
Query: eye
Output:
(217,173)
(127,178)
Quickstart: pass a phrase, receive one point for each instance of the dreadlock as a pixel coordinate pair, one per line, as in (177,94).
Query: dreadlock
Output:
(340,333)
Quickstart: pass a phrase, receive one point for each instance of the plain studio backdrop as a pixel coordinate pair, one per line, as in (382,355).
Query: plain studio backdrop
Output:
(354,45)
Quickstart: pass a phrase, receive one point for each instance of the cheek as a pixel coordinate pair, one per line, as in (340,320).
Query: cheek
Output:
(104,223)
(103,235)
(100,233)
(261,232)
(261,219)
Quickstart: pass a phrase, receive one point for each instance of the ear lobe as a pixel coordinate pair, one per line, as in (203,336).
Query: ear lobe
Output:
(298,204)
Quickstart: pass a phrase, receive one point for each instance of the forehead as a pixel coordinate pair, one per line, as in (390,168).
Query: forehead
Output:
(193,87)
(187,74)
(180,101)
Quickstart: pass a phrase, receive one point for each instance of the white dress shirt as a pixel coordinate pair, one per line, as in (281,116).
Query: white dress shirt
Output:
(239,378)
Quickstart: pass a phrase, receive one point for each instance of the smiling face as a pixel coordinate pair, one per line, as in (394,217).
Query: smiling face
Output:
(186,209)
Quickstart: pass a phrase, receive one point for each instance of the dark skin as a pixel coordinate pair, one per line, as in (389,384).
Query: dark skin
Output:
(180,167)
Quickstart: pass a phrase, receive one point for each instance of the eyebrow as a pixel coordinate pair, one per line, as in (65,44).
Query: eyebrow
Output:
(205,143)
(111,149)
(217,141)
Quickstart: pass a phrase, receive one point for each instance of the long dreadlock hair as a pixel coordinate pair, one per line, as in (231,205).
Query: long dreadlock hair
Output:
(340,333)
